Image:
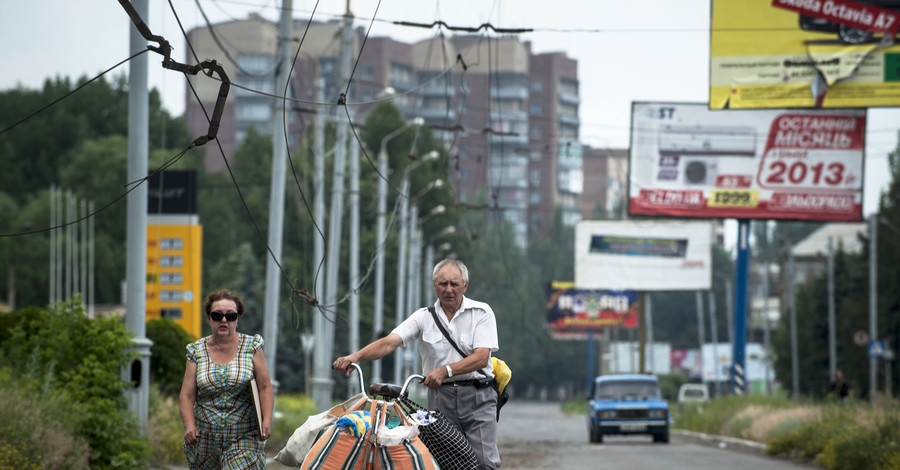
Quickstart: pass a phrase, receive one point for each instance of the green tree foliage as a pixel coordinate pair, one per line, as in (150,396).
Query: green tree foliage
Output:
(79,144)
(82,359)
(167,355)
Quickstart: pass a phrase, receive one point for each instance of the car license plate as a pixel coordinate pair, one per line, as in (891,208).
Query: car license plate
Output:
(633,427)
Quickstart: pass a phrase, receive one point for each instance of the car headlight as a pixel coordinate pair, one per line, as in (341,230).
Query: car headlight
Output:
(658,414)
(607,414)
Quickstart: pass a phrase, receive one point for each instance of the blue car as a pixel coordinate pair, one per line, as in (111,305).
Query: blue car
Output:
(627,404)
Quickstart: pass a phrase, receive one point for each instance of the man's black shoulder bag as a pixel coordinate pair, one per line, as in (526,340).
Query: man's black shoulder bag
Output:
(503,397)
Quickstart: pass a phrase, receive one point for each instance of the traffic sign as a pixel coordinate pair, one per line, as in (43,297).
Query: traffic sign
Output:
(876,349)
(860,337)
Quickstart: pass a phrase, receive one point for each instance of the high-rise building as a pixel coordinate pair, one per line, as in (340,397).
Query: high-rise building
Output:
(507,117)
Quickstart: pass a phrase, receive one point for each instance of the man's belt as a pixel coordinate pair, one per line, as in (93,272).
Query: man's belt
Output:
(459,383)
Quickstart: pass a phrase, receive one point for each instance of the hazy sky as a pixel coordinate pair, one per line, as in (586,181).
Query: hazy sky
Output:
(635,50)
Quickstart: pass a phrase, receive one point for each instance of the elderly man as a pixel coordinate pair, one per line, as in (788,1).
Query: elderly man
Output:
(454,381)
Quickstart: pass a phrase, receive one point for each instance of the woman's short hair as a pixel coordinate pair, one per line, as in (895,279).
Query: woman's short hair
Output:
(223,294)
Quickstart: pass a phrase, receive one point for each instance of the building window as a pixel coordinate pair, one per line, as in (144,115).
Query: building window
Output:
(254,112)
(256,64)
(534,197)
(535,176)
(568,87)
(536,154)
(366,71)
(537,86)
(536,132)
(536,109)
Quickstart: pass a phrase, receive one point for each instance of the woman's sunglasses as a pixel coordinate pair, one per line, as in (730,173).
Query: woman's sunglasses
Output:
(218,316)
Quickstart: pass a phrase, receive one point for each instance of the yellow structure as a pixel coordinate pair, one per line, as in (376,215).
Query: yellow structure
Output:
(174,270)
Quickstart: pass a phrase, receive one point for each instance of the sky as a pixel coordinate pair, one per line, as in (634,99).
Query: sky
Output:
(635,50)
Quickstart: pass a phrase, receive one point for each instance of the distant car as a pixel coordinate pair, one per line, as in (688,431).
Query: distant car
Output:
(692,393)
(627,404)
(847,34)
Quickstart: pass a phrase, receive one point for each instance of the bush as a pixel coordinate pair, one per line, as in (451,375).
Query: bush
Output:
(855,444)
(82,359)
(44,432)
(167,355)
(293,410)
(165,431)
(669,385)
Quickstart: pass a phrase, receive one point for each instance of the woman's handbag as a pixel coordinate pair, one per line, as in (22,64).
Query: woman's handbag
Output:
(446,442)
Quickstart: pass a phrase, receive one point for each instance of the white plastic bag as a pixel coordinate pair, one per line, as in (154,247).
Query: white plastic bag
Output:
(303,438)
(395,436)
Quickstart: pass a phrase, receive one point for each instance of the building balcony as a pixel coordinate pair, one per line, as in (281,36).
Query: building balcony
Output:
(502,139)
(569,120)
(511,92)
(569,98)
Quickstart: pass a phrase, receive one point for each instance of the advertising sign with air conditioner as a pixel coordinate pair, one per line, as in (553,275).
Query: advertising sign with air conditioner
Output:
(645,255)
(689,161)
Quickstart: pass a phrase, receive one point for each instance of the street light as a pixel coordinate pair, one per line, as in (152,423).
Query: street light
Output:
(401,259)
(380,236)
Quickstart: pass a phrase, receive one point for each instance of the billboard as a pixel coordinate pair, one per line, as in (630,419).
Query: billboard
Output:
(643,255)
(800,54)
(174,267)
(571,311)
(689,161)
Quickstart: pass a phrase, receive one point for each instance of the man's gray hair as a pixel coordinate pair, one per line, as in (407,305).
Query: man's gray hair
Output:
(463,270)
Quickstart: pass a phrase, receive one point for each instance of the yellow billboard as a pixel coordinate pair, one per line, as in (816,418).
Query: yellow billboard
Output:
(174,262)
(790,54)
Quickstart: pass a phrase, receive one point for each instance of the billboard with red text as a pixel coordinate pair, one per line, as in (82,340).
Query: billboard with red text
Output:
(689,161)
(804,54)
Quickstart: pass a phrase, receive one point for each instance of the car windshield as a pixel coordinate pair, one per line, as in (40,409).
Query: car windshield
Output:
(626,389)
(693,392)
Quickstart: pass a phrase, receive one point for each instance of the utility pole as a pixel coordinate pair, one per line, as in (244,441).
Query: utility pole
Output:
(276,193)
(795,359)
(401,268)
(698,299)
(650,347)
(318,320)
(714,330)
(354,256)
(832,341)
(873,303)
(322,382)
(766,337)
(136,232)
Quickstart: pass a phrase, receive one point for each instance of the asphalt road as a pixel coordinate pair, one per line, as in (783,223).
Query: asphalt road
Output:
(537,436)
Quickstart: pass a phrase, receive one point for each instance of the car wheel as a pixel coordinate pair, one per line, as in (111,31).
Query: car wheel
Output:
(661,438)
(594,436)
(851,35)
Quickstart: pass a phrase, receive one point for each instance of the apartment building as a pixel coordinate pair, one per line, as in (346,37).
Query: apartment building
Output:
(508,117)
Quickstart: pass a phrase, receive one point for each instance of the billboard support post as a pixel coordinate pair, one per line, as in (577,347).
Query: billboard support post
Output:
(642,332)
(590,359)
(738,368)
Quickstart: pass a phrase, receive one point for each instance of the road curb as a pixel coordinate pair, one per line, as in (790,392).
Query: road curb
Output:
(722,442)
